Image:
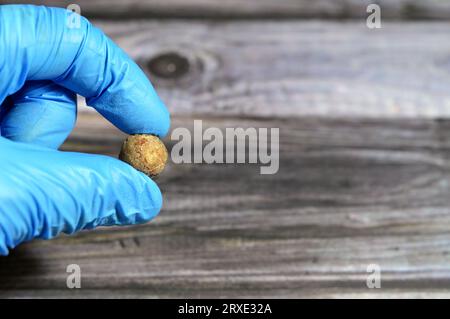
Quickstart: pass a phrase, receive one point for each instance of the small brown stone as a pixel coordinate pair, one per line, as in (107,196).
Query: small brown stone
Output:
(145,153)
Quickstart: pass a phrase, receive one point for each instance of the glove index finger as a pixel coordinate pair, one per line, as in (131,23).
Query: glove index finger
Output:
(83,59)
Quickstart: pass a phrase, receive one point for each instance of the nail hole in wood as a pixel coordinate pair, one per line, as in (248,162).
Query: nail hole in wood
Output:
(168,65)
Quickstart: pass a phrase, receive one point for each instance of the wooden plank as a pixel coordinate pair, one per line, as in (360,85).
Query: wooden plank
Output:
(391,9)
(293,69)
(349,193)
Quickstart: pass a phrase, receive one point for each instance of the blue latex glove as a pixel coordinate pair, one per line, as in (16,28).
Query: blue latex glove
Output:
(44,192)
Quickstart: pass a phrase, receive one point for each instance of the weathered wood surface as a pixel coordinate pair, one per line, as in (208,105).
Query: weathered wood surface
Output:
(369,189)
(337,9)
(349,193)
(287,69)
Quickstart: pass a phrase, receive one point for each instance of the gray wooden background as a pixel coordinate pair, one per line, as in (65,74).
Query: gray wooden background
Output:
(364,155)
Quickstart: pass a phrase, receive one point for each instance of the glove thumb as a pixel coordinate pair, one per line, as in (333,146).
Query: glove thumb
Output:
(44,192)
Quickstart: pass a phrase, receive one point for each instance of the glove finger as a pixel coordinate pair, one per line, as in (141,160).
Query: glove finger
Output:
(80,57)
(45,192)
(42,113)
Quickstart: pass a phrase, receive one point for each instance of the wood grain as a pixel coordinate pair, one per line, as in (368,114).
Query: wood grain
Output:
(336,9)
(349,193)
(364,164)
(294,69)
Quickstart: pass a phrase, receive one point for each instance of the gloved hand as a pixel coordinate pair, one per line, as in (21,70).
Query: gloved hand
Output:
(44,192)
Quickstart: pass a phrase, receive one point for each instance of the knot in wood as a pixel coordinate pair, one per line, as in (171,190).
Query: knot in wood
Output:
(169,65)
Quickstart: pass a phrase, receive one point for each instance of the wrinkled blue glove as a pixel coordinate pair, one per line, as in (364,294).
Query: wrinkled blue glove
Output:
(43,192)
